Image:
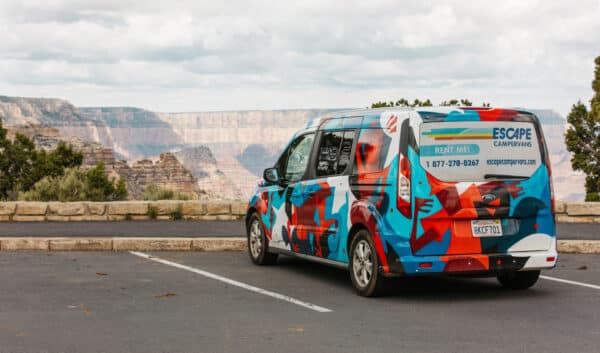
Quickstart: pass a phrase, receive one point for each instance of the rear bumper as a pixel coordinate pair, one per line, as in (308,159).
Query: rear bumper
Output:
(480,263)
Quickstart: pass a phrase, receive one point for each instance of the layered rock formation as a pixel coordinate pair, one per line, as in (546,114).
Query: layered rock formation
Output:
(40,111)
(167,172)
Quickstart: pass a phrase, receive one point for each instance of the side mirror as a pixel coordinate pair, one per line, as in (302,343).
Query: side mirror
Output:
(271,175)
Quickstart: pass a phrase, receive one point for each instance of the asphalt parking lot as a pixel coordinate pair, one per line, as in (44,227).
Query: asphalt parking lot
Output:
(583,231)
(123,302)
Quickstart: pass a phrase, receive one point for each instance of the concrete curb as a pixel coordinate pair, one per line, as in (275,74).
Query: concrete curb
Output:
(193,244)
(123,244)
(579,246)
(24,211)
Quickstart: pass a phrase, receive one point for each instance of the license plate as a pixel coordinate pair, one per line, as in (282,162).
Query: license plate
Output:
(486,228)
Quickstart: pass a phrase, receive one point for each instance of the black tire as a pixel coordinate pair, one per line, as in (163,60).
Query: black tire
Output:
(258,244)
(365,285)
(518,279)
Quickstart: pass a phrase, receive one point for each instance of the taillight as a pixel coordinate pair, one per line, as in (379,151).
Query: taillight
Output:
(404,188)
(403,199)
(552,202)
(549,167)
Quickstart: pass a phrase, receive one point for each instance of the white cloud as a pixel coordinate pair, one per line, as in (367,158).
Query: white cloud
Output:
(207,55)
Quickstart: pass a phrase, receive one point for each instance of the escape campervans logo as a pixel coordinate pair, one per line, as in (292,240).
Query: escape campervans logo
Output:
(511,137)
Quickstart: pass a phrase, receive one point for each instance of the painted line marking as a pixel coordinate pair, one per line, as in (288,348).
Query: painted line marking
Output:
(234,283)
(570,282)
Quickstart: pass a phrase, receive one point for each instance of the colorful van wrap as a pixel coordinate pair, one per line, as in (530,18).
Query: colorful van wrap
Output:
(496,215)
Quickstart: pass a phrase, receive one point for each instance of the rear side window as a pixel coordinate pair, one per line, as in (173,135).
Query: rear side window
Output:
(371,151)
(479,151)
(334,153)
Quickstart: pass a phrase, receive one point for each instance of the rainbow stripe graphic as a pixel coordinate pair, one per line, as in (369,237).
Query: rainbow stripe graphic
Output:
(459,134)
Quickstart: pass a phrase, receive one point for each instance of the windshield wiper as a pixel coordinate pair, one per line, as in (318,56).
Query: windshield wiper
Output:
(504,176)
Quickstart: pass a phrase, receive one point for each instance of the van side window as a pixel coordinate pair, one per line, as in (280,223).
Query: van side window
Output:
(371,151)
(334,153)
(294,166)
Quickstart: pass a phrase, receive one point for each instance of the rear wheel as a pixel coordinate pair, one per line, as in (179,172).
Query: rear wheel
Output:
(518,279)
(258,244)
(364,266)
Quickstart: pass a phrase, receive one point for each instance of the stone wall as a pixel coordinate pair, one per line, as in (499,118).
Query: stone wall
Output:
(582,212)
(118,211)
(578,212)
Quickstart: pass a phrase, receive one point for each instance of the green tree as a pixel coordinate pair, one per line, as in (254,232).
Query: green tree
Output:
(402,102)
(62,157)
(450,102)
(380,104)
(121,190)
(100,188)
(21,165)
(583,138)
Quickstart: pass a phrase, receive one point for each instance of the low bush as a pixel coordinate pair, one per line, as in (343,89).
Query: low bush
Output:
(152,212)
(153,192)
(592,197)
(177,214)
(77,185)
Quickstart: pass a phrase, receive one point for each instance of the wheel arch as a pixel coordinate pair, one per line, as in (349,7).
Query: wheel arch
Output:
(352,234)
(251,210)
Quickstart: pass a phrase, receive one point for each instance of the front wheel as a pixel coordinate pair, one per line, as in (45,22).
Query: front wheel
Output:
(364,266)
(258,243)
(518,279)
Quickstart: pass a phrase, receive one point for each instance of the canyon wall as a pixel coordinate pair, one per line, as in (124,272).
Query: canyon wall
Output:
(243,142)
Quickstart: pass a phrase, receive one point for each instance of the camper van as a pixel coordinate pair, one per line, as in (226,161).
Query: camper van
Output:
(411,192)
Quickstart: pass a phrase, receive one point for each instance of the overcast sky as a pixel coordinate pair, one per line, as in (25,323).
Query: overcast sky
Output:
(232,55)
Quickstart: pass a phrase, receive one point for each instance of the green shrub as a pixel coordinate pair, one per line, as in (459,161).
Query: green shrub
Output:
(100,188)
(177,214)
(121,190)
(592,197)
(152,212)
(77,185)
(69,187)
(153,192)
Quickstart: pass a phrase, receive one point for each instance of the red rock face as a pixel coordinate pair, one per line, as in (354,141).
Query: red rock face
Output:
(167,172)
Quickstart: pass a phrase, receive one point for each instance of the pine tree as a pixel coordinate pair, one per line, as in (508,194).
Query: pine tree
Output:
(583,139)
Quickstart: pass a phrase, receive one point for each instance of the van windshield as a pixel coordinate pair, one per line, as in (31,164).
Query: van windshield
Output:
(479,150)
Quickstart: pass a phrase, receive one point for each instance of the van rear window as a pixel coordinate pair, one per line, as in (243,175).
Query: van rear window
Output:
(479,150)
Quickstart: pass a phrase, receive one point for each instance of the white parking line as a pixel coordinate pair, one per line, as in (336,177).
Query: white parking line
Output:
(570,282)
(234,282)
